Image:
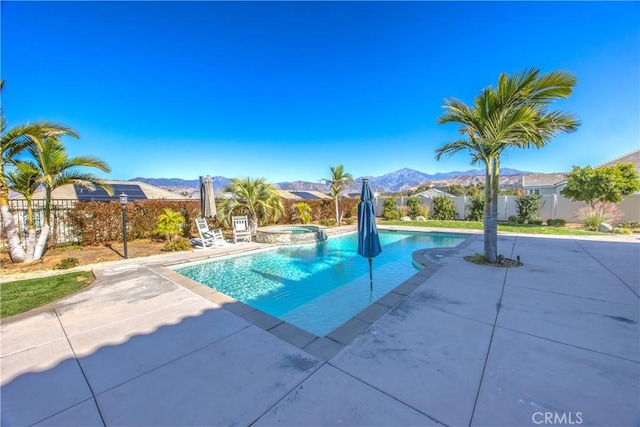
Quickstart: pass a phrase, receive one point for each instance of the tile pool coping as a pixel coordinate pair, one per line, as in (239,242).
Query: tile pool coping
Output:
(321,347)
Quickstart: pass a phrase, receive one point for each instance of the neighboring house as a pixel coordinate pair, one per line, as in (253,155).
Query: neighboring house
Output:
(543,183)
(303,195)
(433,192)
(133,189)
(553,183)
(632,157)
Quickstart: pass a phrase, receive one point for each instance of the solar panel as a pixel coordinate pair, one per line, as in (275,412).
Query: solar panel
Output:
(133,192)
(304,195)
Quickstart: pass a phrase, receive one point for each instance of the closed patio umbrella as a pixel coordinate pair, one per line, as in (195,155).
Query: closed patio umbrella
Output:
(368,239)
(207,199)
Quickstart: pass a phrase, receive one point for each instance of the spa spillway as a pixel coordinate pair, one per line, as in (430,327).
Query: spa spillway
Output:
(289,235)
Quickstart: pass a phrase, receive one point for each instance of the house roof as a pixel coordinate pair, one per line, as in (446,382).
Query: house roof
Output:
(302,195)
(434,192)
(632,157)
(542,179)
(69,191)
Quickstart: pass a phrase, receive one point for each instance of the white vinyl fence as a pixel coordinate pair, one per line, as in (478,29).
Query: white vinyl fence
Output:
(554,207)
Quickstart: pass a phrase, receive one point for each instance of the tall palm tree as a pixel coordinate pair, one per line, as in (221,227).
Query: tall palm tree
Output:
(514,115)
(256,198)
(339,181)
(13,142)
(24,179)
(58,169)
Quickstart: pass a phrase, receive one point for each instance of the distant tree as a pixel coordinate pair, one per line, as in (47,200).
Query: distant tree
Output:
(513,115)
(256,198)
(604,184)
(474,190)
(456,190)
(339,182)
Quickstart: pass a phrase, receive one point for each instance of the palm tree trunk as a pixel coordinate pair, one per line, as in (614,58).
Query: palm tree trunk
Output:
(253,223)
(31,238)
(42,242)
(337,210)
(16,251)
(489,252)
(31,244)
(495,190)
(44,230)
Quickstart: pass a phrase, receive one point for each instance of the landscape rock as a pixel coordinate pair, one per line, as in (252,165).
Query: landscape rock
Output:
(605,228)
(420,218)
(405,218)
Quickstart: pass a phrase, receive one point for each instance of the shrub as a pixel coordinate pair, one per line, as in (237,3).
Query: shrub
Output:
(599,212)
(528,207)
(348,221)
(623,230)
(389,210)
(424,210)
(327,222)
(67,263)
(178,244)
(169,224)
(392,216)
(556,222)
(630,224)
(512,219)
(535,222)
(403,211)
(476,209)
(304,212)
(443,208)
(413,205)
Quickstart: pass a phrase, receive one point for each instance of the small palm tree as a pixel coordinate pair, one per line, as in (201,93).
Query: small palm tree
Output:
(169,224)
(514,115)
(304,212)
(58,169)
(24,179)
(14,141)
(339,181)
(256,198)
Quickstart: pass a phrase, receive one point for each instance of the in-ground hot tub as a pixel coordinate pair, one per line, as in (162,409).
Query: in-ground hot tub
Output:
(288,235)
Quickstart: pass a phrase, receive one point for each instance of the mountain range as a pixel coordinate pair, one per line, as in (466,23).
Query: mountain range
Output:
(394,182)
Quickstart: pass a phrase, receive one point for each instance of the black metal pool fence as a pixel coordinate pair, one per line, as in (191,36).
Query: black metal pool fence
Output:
(61,230)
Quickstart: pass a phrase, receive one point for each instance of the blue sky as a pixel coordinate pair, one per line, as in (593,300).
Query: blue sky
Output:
(285,90)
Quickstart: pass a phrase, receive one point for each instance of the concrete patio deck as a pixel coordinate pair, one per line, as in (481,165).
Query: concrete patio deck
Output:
(555,341)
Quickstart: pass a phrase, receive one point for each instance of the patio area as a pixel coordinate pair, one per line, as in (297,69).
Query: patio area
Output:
(554,340)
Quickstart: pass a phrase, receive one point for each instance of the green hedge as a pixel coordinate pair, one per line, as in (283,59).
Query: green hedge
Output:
(320,209)
(101,222)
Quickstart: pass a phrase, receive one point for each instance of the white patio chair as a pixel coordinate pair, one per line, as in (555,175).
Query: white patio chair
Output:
(209,238)
(241,230)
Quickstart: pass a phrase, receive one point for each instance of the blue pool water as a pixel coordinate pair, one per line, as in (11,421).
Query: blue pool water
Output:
(317,287)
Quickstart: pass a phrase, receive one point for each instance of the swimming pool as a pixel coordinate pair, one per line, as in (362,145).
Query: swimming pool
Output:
(317,287)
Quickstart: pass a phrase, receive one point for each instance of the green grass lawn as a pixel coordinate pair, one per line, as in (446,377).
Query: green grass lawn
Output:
(24,295)
(474,225)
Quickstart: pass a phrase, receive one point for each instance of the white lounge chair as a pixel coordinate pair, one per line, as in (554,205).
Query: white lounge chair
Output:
(209,238)
(241,230)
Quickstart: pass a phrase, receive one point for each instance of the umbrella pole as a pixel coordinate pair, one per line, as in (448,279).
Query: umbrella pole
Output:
(370,275)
